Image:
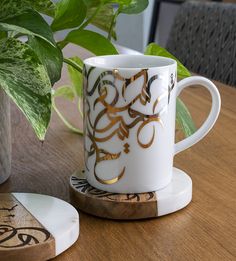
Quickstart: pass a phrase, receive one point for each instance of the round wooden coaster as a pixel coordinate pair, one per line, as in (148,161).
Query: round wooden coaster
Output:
(175,196)
(35,227)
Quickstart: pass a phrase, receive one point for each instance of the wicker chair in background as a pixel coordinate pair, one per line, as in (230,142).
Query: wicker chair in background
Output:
(203,37)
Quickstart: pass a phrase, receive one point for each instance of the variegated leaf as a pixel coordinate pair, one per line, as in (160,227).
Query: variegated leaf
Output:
(103,18)
(50,56)
(30,22)
(25,80)
(12,8)
(43,6)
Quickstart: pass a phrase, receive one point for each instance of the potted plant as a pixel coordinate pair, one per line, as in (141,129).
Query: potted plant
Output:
(30,66)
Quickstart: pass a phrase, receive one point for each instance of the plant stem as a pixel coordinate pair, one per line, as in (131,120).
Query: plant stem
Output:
(113,23)
(68,125)
(62,44)
(79,108)
(73,64)
(89,20)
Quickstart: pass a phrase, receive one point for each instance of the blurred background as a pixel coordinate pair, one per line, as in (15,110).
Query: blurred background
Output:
(133,31)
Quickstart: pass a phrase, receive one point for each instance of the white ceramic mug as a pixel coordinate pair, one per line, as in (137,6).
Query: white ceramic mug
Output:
(129,121)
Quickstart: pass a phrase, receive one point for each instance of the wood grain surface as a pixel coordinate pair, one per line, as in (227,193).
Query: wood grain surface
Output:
(22,237)
(205,230)
(5,137)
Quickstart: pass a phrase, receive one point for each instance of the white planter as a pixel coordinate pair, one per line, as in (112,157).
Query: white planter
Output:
(5,137)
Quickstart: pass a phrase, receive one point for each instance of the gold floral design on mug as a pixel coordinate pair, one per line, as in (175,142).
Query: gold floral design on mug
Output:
(106,109)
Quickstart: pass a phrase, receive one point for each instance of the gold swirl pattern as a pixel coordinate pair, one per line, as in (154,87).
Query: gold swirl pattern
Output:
(112,114)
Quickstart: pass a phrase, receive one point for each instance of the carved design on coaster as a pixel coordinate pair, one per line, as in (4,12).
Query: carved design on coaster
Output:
(82,186)
(175,196)
(12,237)
(111,205)
(18,228)
(9,213)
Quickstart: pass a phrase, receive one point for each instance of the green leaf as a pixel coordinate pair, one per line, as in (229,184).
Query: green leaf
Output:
(134,7)
(103,18)
(94,3)
(184,119)
(25,80)
(69,14)
(43,6)
(30,23)
(91,41)
(75,76)
(12,8)
(119,2)
(8,27)
(154,49)
(50,56)
(65,91)
(3,35)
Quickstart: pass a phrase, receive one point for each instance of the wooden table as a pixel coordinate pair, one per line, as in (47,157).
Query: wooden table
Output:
(205,230)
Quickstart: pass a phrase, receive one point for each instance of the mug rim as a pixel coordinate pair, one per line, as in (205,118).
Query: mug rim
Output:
(93,63)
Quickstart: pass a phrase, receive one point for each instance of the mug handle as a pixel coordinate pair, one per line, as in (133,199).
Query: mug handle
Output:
(212,117)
